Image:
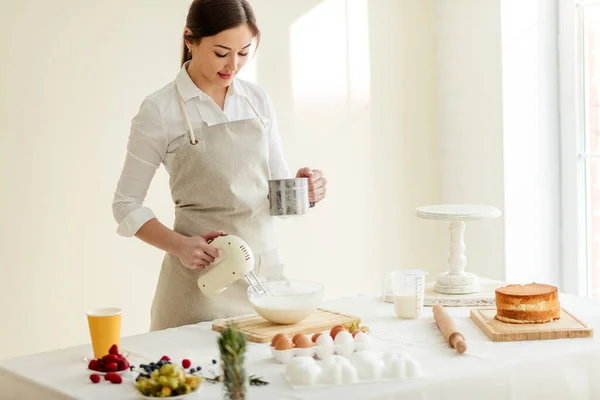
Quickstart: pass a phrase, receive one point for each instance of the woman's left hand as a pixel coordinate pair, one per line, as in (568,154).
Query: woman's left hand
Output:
(317,184)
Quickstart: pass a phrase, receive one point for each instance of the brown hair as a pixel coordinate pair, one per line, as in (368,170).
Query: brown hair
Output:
(209,17)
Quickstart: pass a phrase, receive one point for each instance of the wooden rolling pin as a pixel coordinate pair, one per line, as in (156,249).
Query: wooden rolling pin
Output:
(455,339)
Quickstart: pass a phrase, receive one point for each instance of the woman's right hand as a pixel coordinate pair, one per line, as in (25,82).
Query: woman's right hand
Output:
(196,253)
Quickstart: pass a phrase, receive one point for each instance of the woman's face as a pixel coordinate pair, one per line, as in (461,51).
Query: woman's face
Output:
(219,58)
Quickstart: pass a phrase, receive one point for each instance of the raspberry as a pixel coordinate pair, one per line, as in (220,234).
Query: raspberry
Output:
(166,358)
(110,358)
(115,378)
(111,367)
(97,365)
(186,363)
(109,376)
(114,349)
(95,378)
(122,365)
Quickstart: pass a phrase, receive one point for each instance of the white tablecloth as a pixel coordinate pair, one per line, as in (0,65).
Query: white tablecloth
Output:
(549,369)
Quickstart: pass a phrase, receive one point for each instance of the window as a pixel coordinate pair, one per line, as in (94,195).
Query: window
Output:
(579,42)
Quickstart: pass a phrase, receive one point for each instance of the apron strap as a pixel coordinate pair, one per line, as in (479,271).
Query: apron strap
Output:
(187,119)
(255,112)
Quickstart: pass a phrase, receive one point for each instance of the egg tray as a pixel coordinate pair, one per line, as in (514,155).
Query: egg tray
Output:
(344,345)
(362,367)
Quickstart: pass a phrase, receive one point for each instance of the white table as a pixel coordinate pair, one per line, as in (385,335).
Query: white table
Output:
(549,369)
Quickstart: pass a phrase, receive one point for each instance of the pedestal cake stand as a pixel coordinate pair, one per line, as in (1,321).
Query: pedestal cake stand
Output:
(455,281)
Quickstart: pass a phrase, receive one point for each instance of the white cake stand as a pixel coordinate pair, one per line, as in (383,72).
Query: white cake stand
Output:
(456,280)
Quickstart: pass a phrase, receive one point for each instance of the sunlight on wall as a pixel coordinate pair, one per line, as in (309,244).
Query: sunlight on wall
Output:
(329,70)
(329,127)
(359,68)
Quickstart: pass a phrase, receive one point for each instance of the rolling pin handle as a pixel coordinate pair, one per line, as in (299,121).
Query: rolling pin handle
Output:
(457,341)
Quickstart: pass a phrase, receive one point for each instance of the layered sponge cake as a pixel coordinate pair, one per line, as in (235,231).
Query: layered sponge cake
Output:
(533,303)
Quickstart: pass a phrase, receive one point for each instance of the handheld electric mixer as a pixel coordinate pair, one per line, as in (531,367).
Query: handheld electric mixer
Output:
(235,261)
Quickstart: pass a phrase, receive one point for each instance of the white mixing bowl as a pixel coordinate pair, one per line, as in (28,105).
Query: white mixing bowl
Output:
(288,301)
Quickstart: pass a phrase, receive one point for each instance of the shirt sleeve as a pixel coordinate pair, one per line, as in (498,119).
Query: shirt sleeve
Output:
(277,163)
(146,150)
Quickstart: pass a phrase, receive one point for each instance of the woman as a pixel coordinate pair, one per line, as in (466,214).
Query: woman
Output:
(217,137)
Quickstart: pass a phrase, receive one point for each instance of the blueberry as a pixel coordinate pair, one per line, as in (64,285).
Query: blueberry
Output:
(214,361)
(199,369)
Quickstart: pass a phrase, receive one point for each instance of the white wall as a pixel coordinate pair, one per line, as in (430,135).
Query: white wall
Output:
(498,125)
(469,94)
(73,75)
(531,138)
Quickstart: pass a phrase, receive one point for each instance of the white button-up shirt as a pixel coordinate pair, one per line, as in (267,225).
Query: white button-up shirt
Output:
(159,129)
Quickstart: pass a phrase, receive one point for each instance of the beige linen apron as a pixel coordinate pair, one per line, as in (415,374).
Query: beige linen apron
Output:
(219,182)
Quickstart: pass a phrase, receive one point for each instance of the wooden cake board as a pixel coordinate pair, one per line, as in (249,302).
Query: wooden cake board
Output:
(568,326)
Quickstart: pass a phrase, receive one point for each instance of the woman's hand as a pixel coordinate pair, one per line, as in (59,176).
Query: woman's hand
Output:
(317,184)
(196,253)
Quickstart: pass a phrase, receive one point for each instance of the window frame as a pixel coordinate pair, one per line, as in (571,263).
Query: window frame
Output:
(574,251)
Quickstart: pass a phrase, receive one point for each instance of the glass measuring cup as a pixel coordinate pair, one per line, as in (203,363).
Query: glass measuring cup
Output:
(408,291)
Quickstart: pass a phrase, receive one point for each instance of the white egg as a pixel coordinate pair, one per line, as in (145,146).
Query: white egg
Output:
(343,337)
(324,346)
(323,352)
(324,340)
(344,343)
(362,341)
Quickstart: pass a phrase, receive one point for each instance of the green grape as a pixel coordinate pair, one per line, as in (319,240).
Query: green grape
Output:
(167,381)
(167,369)
(173,383)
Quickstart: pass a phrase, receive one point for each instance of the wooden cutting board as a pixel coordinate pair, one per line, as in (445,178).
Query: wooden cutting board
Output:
(568,326)
(259,330)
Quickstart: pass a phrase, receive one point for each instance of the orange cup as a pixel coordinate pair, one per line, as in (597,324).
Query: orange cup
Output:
(105,329)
